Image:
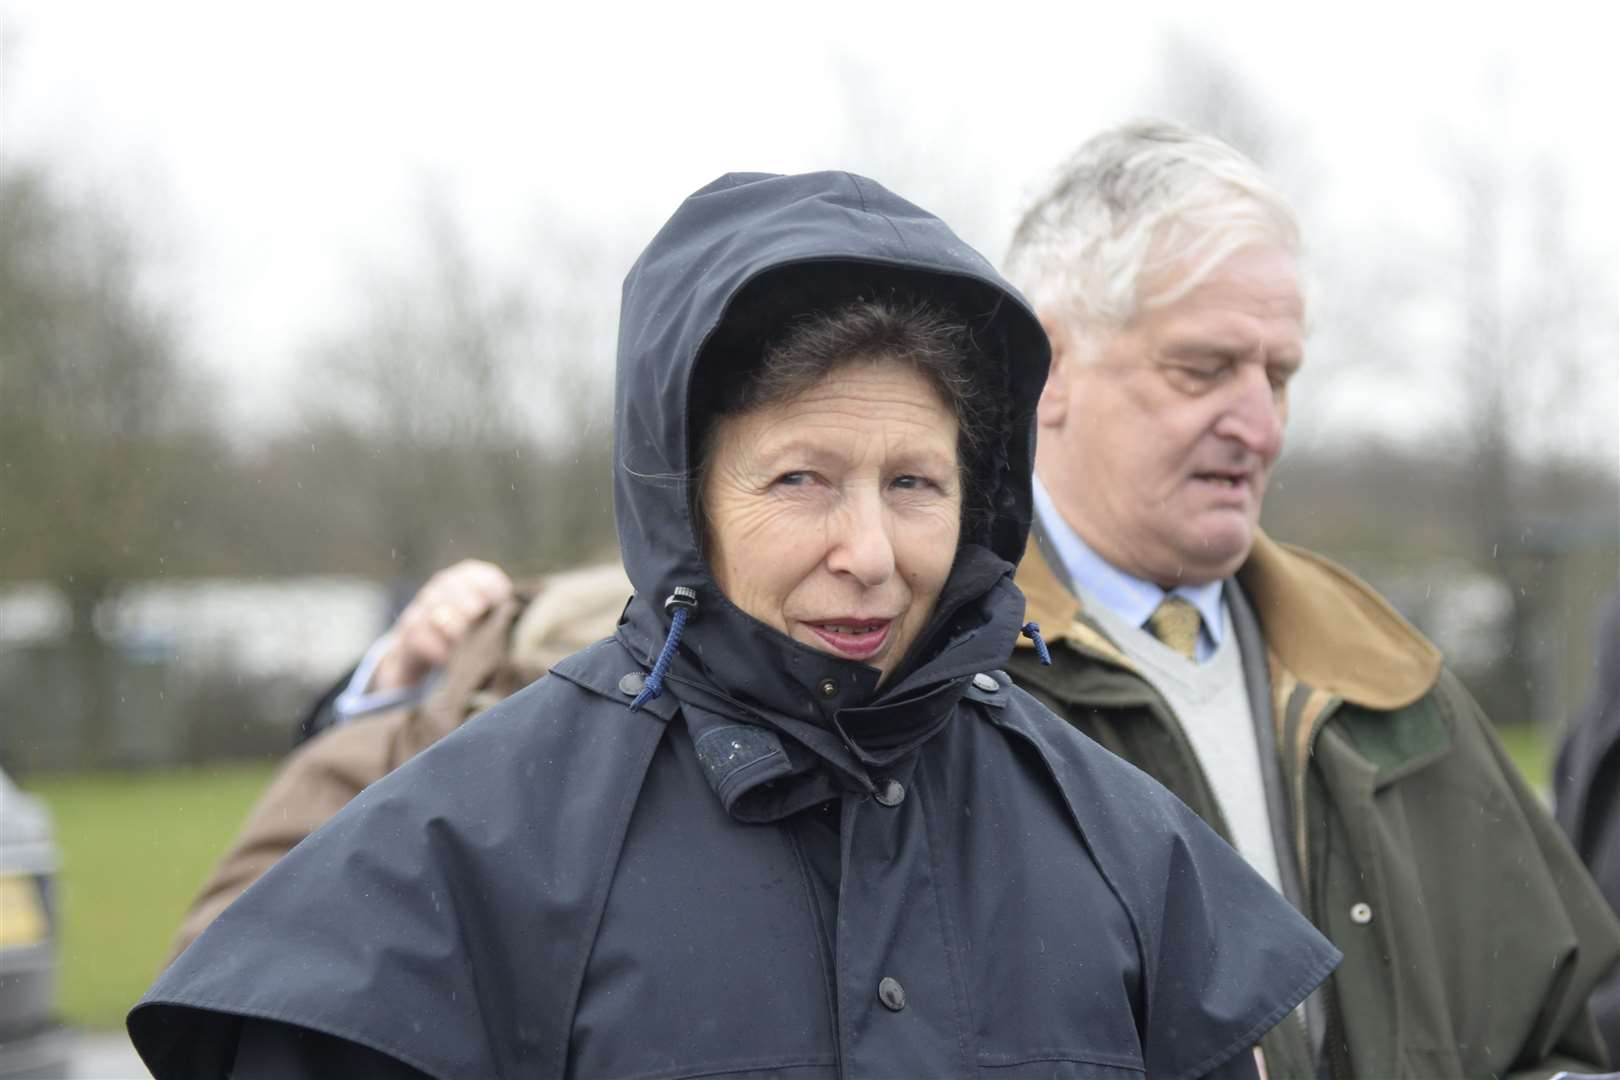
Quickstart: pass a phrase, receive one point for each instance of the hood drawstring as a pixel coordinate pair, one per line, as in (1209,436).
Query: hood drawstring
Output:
(1032,631)
(684,601)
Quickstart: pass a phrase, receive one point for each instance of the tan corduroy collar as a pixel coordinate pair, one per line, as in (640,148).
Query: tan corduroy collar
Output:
(1324,625)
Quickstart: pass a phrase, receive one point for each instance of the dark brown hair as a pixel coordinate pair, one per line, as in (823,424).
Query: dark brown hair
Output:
(919,333)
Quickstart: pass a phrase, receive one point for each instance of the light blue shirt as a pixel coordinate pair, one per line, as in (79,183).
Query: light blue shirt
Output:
(358,699)
(1131,598)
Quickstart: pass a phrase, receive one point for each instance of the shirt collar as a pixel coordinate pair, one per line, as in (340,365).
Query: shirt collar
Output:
(1129,597)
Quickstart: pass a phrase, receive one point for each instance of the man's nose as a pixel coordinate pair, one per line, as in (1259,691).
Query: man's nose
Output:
(861,545)
(1255,414)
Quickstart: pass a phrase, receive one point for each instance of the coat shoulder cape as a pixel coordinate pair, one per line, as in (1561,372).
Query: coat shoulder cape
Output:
(459,896)
(499,841)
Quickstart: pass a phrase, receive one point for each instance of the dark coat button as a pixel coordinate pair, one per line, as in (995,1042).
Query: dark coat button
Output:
(892,994)
(890,793)
(632,683)
(828,687)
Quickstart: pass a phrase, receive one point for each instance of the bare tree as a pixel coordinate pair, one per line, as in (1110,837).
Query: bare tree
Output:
(99,417)
(1531,385)
(1198,85)
(898,142)
(482,403)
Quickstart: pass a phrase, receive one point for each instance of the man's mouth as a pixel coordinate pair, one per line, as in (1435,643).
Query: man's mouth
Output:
(857,639)
(1226,480)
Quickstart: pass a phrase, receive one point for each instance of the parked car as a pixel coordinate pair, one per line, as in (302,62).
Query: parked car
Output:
(33,1043)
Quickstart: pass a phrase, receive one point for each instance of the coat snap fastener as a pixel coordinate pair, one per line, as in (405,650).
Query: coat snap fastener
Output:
(987,683)
(828,687)
(892,994)
(1361,914)
(890,793)
(631,684)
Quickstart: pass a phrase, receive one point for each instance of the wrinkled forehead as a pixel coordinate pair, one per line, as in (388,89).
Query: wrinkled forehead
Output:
(863,411)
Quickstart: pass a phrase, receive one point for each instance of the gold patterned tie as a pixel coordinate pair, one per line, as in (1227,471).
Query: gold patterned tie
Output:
(1175,622)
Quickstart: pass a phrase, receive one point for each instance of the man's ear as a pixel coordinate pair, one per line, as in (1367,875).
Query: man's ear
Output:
(1053,407)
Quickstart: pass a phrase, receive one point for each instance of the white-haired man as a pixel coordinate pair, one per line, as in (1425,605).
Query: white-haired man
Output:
(1278,696)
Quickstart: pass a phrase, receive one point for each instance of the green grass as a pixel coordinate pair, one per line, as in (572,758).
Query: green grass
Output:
(135,848)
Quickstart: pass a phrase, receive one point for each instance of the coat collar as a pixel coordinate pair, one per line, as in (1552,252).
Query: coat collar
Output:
(1323,626)
(1049,603)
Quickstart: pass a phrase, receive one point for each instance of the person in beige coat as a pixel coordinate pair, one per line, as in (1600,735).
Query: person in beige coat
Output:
(488,636)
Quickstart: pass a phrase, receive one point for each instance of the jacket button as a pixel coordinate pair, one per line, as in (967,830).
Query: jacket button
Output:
(987,683)
(1361,914)
(828,687)
(890,793)
(892,994)
(632,683)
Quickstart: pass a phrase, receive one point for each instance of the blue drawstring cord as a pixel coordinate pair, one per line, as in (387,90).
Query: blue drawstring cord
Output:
(1032,631)
(684,601)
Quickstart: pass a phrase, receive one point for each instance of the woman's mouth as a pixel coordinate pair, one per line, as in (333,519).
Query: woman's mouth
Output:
(857,639)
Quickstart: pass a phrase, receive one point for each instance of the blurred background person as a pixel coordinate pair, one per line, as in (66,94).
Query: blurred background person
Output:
(469,639)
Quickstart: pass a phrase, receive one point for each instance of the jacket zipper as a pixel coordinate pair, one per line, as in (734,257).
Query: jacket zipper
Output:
(1299,805)
(1338,1065)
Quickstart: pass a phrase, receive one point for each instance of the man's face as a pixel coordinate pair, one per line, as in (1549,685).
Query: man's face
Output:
(1156,448)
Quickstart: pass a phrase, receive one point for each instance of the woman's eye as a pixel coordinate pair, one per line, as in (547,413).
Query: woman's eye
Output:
(913,483)
(793,479)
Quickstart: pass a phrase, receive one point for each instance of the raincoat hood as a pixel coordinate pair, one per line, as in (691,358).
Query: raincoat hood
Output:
(740,259)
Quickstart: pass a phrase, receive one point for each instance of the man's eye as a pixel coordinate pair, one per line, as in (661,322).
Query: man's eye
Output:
(913,483)
(1204,371)
(793,479)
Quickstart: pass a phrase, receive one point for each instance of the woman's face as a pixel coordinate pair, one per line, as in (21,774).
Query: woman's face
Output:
(834,516)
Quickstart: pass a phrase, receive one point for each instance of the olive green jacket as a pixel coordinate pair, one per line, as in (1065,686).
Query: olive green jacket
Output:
(1471,934)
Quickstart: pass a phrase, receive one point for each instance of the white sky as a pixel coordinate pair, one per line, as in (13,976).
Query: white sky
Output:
(271,153)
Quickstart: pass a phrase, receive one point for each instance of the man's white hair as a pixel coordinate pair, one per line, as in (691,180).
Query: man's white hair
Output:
(1137,218)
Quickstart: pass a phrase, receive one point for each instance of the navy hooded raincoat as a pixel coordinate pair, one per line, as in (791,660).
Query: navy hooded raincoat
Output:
(773,867)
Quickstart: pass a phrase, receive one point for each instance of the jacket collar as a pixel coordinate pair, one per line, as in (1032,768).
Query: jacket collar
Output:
(1324,627)
(1333,632)
(1049,603)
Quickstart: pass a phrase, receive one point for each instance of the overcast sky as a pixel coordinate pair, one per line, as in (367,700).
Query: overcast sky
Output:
(273,155)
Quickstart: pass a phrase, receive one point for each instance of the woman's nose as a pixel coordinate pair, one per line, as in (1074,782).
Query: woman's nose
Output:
(860,544)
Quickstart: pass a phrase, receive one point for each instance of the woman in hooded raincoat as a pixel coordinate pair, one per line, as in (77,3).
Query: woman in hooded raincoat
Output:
(791,819)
